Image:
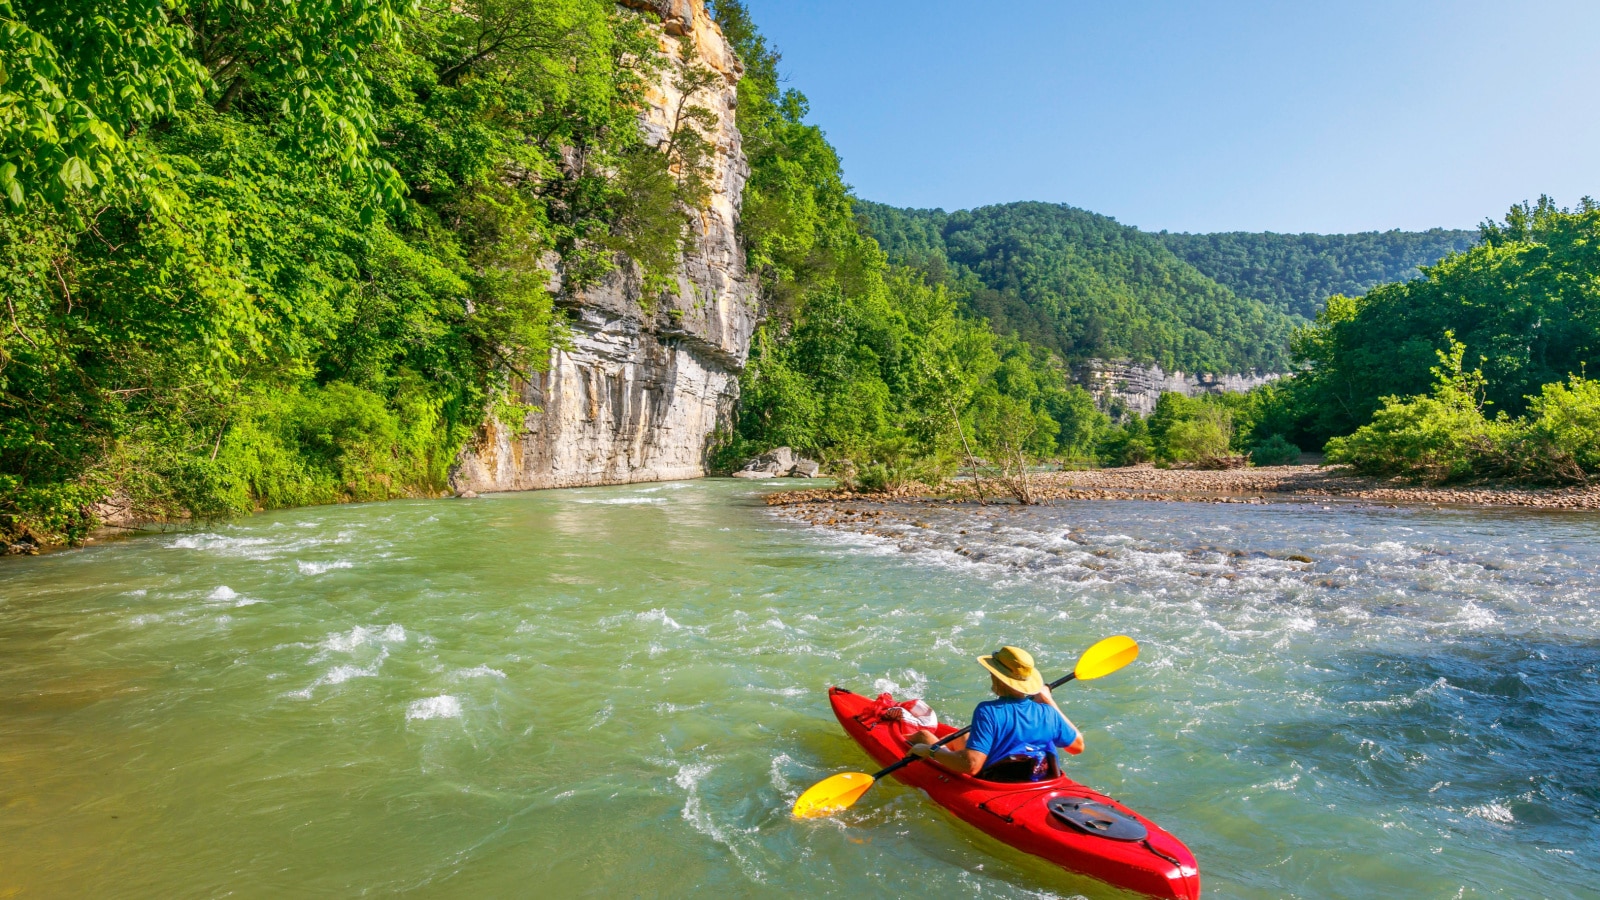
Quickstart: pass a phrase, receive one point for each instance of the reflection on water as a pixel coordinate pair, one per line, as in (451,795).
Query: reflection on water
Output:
(618,692)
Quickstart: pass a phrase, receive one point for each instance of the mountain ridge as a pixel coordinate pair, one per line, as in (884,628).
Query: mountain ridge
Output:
(1087,286)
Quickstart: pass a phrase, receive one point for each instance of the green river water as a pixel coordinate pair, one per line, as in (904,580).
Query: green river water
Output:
(619,692)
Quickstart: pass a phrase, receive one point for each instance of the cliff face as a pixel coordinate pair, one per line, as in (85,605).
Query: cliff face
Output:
(1137,386)
(637,395)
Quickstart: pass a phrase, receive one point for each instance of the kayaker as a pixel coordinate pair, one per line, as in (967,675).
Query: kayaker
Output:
(1019,731)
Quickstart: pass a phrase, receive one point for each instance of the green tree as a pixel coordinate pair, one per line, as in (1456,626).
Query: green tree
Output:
(1524,301)
(1297,273)
(227,319)
(1083,285)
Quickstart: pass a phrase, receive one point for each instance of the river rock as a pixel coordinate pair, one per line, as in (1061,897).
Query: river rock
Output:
(771,464)
(805,468)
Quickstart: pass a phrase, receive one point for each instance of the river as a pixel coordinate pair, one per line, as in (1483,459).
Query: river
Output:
(619,691)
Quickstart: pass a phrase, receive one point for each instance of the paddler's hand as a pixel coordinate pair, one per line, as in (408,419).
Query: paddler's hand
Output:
(923,750)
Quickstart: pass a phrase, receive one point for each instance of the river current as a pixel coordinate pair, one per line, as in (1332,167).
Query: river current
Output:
(619,692)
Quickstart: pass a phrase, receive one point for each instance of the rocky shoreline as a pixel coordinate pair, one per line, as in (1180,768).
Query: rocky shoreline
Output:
(1249,486)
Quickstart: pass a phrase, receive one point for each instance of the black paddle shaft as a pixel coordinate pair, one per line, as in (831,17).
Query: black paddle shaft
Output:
(909,758)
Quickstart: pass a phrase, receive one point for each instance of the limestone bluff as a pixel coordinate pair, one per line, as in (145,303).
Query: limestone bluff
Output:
(641,387)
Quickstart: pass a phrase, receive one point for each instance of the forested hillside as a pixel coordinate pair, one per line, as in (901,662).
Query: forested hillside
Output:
(1297,273)
(1084,285)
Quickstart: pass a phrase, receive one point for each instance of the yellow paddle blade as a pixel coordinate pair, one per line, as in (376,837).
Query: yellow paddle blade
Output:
(831,795)
(1106,657)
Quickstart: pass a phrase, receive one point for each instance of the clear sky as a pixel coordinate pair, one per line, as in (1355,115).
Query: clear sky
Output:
(1202,115)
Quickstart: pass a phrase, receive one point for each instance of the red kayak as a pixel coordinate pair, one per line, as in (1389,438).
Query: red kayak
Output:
(1075,827)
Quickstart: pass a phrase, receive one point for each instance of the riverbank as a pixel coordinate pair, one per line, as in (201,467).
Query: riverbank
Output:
(1255,485)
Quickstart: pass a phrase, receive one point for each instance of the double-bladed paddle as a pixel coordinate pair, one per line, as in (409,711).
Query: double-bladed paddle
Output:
(841,791)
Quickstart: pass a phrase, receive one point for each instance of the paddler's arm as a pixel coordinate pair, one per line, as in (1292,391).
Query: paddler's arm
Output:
(963,762)
(1044,697)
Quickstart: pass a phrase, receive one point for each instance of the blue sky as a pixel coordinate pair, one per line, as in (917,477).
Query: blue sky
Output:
(1206,116)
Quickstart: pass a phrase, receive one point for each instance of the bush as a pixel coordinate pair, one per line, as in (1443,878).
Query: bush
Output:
(1566,418)
(1126,444)
(36,517)
(1427,438)
(1275,451)
(1205,435)
(1438,438)
(890,463)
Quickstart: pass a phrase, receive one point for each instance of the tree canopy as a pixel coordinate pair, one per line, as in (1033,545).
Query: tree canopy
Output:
(1084,285)
(1297,273)
(260,255)
(1524,303)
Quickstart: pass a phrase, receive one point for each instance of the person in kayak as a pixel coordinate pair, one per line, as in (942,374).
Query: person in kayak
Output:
(1019,731)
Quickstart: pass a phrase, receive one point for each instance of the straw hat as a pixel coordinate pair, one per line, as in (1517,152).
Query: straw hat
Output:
(1014,666)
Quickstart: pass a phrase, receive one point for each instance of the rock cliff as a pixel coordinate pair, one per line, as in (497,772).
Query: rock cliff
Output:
(638,392)
(1137,386)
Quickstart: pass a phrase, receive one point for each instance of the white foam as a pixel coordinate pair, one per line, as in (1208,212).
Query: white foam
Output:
(917,685)
(1476,617)
(778,781)
(443,706)
(341,674)
(258,548)
(215,542)
(311,568)
(480,672)
(624,501)
(778,692)
(659,615)
(1495,812)
(695,813)
(361,636)
(222,593)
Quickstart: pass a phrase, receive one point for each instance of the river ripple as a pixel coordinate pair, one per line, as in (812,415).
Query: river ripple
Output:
(618,691)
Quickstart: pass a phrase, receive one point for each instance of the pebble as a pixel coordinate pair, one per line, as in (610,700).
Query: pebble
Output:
(1234,486)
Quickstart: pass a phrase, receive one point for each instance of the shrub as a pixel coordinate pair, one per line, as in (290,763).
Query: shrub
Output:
(1274,451)
(891,462)
(1566,417)
(1126,444)
(1205,435)
(1428,438)
(1438,438)
(36,517)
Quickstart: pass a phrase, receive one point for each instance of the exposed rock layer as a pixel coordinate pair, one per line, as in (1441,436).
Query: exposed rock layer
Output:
(637,394)
(1137,386)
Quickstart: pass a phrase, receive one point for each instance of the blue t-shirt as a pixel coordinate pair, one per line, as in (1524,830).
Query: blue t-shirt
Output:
(1013,725)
